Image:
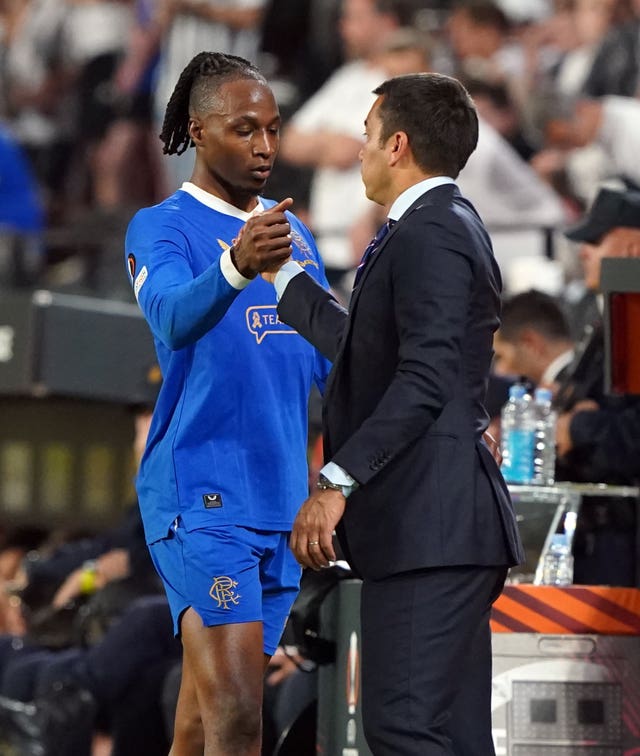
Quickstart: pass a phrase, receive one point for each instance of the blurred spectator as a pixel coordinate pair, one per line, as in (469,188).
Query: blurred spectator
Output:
(592,19)
(515,204)
(21,216)
(125,165)
(612,126)
(53,582)
(533,340)
(574,34)
(71,599)
(597,436)
(16,544)
(616,65)
(112,685)
(312,50)
(495,105)
(479,34)
(99,35)
(38,94)
(326,133)
(406,50)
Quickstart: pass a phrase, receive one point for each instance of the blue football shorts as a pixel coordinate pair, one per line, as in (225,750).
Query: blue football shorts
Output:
(229,574)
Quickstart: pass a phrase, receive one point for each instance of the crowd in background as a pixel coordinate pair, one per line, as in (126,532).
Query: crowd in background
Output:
(84,84)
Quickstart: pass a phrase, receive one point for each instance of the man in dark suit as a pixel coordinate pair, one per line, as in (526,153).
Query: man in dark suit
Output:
(421,509)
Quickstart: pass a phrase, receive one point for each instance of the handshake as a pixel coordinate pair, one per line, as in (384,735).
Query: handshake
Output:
(264,243)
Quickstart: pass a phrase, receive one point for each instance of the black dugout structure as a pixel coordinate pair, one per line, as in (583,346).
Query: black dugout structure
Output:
(71,369)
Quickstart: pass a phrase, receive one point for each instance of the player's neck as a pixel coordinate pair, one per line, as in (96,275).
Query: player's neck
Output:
(243,200)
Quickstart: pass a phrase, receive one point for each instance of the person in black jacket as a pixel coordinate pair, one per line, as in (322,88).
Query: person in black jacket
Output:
(598,435)
(422,512)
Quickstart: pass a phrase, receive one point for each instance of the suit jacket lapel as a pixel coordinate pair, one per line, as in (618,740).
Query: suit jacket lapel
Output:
(369,266)
(439,195)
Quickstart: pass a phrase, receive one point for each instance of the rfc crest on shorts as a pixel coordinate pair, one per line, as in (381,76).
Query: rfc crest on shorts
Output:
(222,591)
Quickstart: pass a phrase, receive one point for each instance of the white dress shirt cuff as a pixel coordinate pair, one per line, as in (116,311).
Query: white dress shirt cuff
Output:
(288,271)
(231,273)
(336,474)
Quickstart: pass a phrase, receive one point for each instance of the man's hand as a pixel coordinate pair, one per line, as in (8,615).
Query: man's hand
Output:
(264,243)
(270,276)
(564,442)
(282,665)
(113,565)
(311,537)
(493,446)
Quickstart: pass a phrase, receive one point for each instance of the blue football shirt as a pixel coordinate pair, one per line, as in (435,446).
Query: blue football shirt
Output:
(228,439)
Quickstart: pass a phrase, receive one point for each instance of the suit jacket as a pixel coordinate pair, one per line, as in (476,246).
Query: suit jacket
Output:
(403,408)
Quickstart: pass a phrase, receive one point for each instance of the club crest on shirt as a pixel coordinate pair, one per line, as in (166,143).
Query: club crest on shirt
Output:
(222,591)
(263,320)
(301,245)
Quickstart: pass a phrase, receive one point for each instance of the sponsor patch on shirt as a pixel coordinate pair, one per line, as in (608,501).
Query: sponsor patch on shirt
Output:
(141,278)
(263,320)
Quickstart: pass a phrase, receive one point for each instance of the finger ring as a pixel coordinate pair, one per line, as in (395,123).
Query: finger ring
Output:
(314,543)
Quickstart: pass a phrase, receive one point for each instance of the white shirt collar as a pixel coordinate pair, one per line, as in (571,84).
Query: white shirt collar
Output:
(555,366)
(215,203)
(404,201)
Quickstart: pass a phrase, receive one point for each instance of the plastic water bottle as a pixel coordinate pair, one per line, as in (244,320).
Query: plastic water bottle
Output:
(544,461)
(517,432)
(557,566)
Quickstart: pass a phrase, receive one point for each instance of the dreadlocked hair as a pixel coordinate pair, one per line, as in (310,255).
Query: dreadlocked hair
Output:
(175,128)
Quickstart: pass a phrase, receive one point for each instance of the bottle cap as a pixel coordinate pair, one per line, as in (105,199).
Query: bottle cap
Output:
(517,391)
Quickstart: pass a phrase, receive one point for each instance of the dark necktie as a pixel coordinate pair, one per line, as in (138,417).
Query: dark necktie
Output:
(371,249)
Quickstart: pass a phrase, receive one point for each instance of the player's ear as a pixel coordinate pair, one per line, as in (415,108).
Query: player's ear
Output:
(195,130)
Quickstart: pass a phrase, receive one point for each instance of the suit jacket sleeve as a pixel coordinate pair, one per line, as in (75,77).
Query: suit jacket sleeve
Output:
(314,313)
(431,280)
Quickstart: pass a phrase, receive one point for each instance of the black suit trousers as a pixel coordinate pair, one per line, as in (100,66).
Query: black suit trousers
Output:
(426,661)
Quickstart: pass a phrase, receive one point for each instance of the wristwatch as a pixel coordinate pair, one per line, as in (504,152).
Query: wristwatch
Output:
(324,483)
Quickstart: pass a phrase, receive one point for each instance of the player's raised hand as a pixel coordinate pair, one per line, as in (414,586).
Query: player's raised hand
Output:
(264,242)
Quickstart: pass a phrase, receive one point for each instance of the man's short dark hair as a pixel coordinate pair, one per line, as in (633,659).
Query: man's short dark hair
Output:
(437,115)
(536,310)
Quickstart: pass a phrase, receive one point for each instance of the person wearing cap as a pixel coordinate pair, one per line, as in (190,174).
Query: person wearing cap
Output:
(598,435)
(611,228)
